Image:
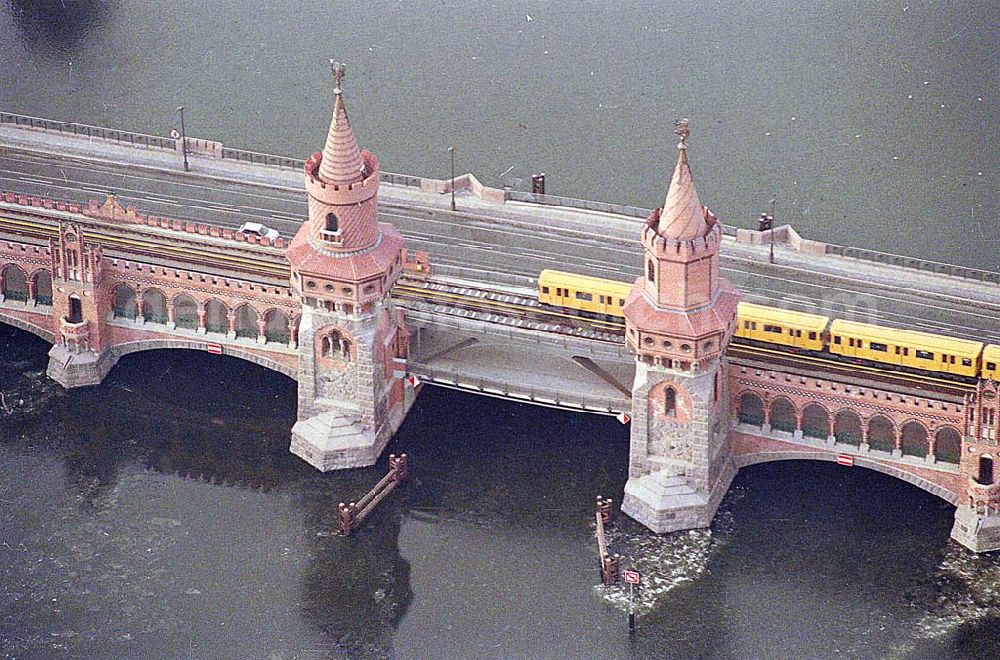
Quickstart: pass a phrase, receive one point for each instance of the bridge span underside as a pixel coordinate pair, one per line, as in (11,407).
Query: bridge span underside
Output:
(523,366)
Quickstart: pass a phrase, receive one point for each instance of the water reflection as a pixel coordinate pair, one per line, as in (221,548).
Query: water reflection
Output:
(58,25)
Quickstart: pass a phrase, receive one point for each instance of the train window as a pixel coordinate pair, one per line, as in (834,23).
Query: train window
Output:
(836,340)
(602,300)
(753,325)
(812,335)
(951,359)
(621,302)
(875,346)
(580,295)
(798,333)
(906,351)
(850,340)
(746,325)
(545,289)
(897,350)
(925,355)
(966,362)
(772,328)
(992,366)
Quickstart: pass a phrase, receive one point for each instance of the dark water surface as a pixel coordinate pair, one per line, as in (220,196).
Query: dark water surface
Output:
(872,123)
(160,514)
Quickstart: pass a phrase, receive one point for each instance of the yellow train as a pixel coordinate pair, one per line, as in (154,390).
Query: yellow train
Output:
(597,297)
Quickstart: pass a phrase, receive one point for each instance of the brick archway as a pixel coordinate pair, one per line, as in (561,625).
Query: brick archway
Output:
(121,350)
(914,439)
(746,460)
(815,421)
(948,445)
(27,326)
(783,415)
(751,409)
(848,427)
(881,433)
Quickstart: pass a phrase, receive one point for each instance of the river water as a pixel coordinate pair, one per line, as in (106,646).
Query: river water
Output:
(160,514)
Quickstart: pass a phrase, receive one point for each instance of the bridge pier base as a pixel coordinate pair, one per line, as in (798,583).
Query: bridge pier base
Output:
(667,503)
(81,369)
(976,531)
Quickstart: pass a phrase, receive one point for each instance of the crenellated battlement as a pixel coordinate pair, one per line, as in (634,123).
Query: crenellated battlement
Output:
(351,193)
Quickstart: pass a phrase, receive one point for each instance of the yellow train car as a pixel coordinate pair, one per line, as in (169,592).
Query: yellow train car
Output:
(991,362)
(781,326)
(593,295)
(917,350)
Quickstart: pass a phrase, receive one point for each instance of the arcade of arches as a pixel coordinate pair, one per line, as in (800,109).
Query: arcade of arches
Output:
(910,438)
(211,316)
(17,285)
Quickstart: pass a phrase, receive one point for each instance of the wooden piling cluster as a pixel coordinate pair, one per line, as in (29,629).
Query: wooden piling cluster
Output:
(354,513)
(609,564)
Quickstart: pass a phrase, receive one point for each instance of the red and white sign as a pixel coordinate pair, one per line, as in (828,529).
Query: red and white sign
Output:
(631,577)
(623,418)
(214,349)
(413,380)
(845,459)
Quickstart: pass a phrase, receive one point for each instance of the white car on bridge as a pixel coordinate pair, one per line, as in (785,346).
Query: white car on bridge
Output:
(257,229)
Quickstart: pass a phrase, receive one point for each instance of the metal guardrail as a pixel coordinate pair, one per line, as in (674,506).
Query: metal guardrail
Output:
(557,200)
(914,263)
(229,153)
(98,132)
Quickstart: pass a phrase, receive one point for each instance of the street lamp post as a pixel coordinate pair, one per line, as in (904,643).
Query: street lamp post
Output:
(770,219)
(184,148)
(451,152)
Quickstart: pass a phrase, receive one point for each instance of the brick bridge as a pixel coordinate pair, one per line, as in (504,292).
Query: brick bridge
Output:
(101,281)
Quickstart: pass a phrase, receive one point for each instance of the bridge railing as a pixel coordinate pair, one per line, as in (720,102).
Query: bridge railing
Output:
(270,160)
(550,396)
(914,263)
(98,132)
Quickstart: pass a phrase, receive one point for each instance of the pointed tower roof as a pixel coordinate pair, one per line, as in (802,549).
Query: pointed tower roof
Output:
(342,163)
(683,217)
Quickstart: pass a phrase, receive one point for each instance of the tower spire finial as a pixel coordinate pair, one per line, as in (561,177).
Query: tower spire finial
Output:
(681,128)
(339,70)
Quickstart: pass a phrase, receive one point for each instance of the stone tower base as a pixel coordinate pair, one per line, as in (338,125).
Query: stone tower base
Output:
(977,532)
(666,502)
(335,440)
(71,369)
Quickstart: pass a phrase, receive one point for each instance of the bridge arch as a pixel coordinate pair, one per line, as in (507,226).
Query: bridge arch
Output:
(751,408)
(847,427)
(13,283)
(747,460)
(783,415)
(27,326)
(881,433)
(122,350)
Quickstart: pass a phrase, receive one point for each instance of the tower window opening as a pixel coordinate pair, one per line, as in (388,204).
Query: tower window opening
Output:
(75,311)
(649,270)
(985,471)
(670,402)
(332,223)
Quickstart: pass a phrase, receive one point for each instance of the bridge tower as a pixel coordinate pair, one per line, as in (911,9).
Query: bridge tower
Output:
(977,515)
(352,340)
(80,307)
(679,318)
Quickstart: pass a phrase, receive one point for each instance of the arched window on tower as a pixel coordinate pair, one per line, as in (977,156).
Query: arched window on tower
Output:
(345,349)
(670,402)
(332,223)
(649,270)
(325,347)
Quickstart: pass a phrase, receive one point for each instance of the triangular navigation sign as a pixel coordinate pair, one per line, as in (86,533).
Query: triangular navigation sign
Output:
(623,418)
(414,381)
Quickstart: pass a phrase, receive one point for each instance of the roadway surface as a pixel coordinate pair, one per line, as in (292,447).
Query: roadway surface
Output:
(507,245)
